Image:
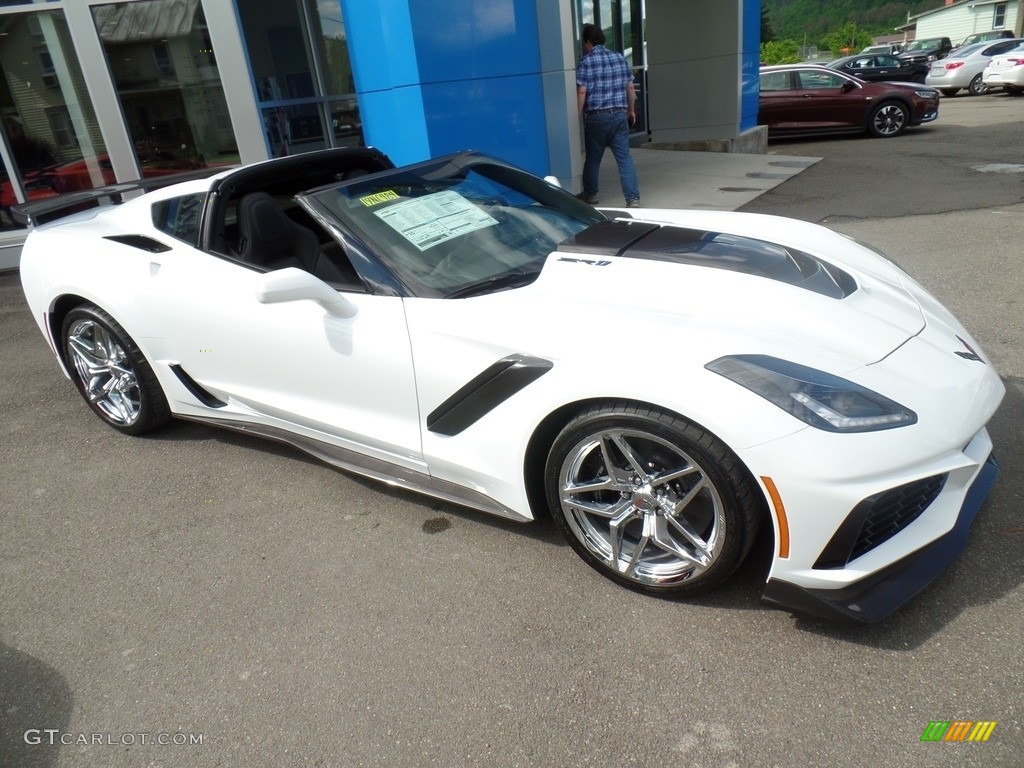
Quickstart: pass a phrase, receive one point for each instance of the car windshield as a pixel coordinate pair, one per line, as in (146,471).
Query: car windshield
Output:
(922,45)
(459,226)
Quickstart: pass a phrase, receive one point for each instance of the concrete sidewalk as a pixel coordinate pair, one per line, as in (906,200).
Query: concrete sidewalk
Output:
(712,180)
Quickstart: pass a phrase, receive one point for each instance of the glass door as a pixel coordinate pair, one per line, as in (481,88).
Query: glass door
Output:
(298,54)
(622,22)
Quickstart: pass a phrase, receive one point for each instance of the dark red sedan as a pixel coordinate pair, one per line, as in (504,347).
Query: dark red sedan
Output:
(802,99)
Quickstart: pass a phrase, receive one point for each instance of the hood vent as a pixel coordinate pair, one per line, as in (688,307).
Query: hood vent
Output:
(640,240)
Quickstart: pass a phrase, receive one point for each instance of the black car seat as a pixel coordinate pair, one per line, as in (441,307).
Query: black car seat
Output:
(268,238)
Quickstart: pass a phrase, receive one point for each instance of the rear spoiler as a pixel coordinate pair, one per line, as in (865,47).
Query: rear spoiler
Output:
(53,208)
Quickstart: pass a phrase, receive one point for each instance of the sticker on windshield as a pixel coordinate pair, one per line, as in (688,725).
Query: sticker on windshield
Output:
(432,219)
(378,197)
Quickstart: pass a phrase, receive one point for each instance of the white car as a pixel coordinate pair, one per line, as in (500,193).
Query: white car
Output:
(965,67)
(662,383)
(1006,71)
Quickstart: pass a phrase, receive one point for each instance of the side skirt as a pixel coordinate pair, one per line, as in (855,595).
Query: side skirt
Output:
(374,469)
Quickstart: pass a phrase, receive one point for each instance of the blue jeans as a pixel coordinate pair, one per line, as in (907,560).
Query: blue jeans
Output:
(611,130)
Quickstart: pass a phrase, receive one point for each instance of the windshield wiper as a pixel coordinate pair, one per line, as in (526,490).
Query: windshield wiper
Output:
(500,282)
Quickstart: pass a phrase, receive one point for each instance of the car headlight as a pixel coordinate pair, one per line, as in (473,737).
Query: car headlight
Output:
(927,94)
(817,398)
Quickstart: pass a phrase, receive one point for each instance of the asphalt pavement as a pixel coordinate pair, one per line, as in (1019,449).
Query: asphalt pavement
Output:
(200,598)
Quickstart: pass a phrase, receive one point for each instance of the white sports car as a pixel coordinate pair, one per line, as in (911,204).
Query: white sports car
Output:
(662,383)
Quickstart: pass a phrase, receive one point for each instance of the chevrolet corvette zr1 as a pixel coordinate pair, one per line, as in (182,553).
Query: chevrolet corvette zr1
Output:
(662,383)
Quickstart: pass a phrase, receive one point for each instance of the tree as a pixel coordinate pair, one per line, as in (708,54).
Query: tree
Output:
(767,33)
(848,39)
(780,52)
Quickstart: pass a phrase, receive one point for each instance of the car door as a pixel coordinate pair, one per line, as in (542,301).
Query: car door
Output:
(826,101)
(779,103)
(338,373)
(867,68)
(889,69)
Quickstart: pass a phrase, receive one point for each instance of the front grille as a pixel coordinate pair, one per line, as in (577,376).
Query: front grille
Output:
(878,518)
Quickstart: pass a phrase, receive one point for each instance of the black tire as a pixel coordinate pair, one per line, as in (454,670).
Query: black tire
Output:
(1014,90)
(675,520)
(950,91)
(111,373)
(977,86)
(888,119)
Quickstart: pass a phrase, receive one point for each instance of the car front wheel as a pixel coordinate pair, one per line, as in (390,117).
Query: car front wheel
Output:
(889,118)
(650,500)
(111,373)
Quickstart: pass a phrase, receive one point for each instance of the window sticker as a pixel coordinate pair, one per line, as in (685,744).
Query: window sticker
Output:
(437,218)
(378,197)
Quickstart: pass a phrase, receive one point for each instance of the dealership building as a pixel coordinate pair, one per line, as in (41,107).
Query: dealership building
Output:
(98,91)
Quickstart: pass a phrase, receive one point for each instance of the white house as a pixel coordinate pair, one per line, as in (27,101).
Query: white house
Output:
(959,18)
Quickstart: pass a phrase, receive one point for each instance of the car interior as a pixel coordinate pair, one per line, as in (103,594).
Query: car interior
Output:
(256,220)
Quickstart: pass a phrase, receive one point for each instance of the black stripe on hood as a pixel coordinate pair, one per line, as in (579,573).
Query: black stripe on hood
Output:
(700,248)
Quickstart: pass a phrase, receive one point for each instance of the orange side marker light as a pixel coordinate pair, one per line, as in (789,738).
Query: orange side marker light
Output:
(780,516)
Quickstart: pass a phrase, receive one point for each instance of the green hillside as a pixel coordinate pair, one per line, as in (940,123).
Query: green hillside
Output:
(809,20)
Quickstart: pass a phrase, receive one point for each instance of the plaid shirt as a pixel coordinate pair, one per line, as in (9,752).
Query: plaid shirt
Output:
(605,75)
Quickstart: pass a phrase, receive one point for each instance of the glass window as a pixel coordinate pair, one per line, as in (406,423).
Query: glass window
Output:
(298,53)
(999,16)
(775,81)
(814,80)
(165,71)
(47,118)
(179,217)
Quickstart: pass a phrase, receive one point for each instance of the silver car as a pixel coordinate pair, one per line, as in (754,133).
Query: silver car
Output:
(964,68)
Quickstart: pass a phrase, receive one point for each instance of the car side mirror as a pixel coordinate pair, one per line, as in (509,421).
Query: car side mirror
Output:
(847,87)
(293,284)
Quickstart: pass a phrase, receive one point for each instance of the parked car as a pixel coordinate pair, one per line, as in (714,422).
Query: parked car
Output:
(926,50)
(83,173)
(985,37)
(880,68)
(965,68)
(803,99)
(1006,71)
(889,49)
(462,328)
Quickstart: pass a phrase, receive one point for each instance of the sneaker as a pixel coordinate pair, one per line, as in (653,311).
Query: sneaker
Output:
(588,199)
(633,203)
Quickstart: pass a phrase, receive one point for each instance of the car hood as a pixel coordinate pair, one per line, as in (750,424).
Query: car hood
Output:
(791,286)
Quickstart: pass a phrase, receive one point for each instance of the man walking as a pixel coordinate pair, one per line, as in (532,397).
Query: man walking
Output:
(606,101)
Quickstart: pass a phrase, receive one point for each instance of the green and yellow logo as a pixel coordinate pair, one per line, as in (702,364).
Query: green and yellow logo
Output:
(958,730)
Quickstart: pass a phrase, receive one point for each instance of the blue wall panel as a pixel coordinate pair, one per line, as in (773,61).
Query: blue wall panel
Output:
(750,63)
(502,116)
(434,78)
(393,122)
(469,39)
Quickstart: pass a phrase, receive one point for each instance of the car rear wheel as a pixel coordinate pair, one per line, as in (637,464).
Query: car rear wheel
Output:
(650,500)
(977,86)
(889,118)
(111,373)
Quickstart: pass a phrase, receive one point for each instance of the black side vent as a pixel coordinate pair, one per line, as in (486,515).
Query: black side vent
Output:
(485,392)
(197,391)
(141,242)
(878,518)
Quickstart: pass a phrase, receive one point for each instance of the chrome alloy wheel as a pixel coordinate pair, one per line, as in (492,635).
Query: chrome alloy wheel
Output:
(642,506)
(106,374)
